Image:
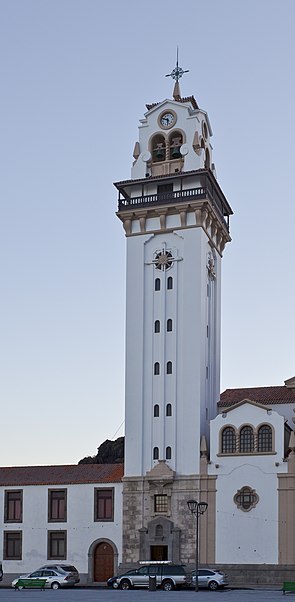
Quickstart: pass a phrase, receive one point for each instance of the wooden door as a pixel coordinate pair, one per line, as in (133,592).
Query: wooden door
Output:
(103,562)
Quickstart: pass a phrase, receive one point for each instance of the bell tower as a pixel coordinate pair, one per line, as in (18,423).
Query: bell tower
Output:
(176,221)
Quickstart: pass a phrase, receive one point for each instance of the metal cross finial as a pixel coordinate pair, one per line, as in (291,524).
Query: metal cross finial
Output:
(177,72)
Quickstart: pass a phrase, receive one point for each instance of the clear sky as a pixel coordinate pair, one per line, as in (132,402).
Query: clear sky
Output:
(75,77)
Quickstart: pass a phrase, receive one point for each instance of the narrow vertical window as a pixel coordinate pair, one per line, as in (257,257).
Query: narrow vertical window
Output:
(156,453)
(157,326)
(156,368)
(156,410)
(169,367)
(169,325)
(228,440)
(104,504)
(246,440)
(13,506)
(57,545)
(265,438)
(157,284)
(170,283)
(57,505)
(12,548)
(168,409)
(168,453)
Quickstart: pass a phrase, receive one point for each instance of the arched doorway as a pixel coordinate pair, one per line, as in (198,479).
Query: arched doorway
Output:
(103,562)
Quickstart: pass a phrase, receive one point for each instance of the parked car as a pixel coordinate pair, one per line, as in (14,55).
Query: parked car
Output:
(67,568)
(54,579)
(1,572)
(210,578)
(168,576)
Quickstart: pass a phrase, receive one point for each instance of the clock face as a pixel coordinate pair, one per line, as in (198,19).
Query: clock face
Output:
(167,120)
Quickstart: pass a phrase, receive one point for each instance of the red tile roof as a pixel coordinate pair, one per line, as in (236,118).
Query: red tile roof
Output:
(61,475)
(263,395)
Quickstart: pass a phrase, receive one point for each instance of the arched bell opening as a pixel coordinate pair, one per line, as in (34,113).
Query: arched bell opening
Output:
(158,148)
(175,143)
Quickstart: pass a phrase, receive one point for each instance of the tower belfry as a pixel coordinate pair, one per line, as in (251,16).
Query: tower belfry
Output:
(176,221)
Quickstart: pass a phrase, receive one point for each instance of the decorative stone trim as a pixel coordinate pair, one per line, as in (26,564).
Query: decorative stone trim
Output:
(206,217)
(246,499)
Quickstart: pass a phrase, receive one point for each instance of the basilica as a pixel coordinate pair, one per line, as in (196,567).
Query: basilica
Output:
(183,440)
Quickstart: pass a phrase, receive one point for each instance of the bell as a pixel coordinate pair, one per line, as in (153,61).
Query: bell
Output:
(160,155)
(176,152)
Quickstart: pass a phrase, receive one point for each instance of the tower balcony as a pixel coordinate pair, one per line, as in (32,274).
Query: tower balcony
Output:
(181,188)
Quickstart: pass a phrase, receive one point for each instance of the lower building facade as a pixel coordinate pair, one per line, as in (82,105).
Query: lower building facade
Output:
(55,514)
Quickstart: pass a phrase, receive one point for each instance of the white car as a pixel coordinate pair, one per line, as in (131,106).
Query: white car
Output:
(53,579)
(210,578)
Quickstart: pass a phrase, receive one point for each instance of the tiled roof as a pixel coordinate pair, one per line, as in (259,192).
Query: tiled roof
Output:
(61,475)
(263,395)
(186,99)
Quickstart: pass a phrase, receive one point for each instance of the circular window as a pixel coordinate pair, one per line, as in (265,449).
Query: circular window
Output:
(163,260)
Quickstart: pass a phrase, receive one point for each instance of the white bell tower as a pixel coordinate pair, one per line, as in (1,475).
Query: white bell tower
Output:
(176,220)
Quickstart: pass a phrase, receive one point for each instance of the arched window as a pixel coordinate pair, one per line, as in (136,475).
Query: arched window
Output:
(168,409)
(156,453)
(159,531)
(170,283)
(157,284)
(157,326)
(168,453)
(265,438)
(228,440)
(246,440)
(207,159)
(158,148)
(156,368)
(175,142)
(156,410)
(169,367)
(169,325)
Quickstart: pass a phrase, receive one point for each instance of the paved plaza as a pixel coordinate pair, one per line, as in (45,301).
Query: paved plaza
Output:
(110,595)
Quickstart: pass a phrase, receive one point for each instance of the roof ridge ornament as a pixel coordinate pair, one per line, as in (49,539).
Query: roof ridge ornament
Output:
(176,74)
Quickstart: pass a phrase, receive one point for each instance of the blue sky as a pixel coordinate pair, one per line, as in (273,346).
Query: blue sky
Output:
(75,77)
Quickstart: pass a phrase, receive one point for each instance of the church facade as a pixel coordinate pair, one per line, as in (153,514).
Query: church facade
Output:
(183,441)
(180,444)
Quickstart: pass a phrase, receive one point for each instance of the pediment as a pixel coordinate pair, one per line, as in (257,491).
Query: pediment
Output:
(161,472)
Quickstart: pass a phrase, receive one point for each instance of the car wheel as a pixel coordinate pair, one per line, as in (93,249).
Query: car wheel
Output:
(168,585)
(125,584)
(213,585)
(55,585)
(115,585)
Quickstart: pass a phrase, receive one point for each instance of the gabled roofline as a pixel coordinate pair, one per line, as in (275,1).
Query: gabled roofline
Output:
(243,402)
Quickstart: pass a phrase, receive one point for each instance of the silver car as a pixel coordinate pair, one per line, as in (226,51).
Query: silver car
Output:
(168,576)
(62,566)
(53,579)
(210,578)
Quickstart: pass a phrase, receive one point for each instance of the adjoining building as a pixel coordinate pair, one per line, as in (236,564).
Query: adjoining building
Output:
(61,513)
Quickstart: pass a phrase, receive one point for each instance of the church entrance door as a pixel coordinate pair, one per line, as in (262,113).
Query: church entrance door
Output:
(103,562)
(159,553)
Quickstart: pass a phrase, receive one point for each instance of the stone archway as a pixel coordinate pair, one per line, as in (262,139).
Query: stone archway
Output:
(102,561)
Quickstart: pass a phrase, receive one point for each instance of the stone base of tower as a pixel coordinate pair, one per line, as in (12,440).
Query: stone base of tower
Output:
(157,524)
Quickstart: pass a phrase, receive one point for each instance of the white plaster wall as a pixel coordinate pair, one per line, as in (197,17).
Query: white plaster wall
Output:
(188,120)
(247,537)
(187,347)
(81,528)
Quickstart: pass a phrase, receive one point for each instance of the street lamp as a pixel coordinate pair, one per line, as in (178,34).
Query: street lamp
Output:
(197,508)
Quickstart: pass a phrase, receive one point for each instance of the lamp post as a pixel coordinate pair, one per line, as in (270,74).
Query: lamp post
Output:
(197,508)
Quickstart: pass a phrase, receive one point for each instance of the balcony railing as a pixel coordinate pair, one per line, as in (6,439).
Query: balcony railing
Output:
(166,198)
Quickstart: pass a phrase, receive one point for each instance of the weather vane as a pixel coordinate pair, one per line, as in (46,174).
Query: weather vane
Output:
(177,72)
